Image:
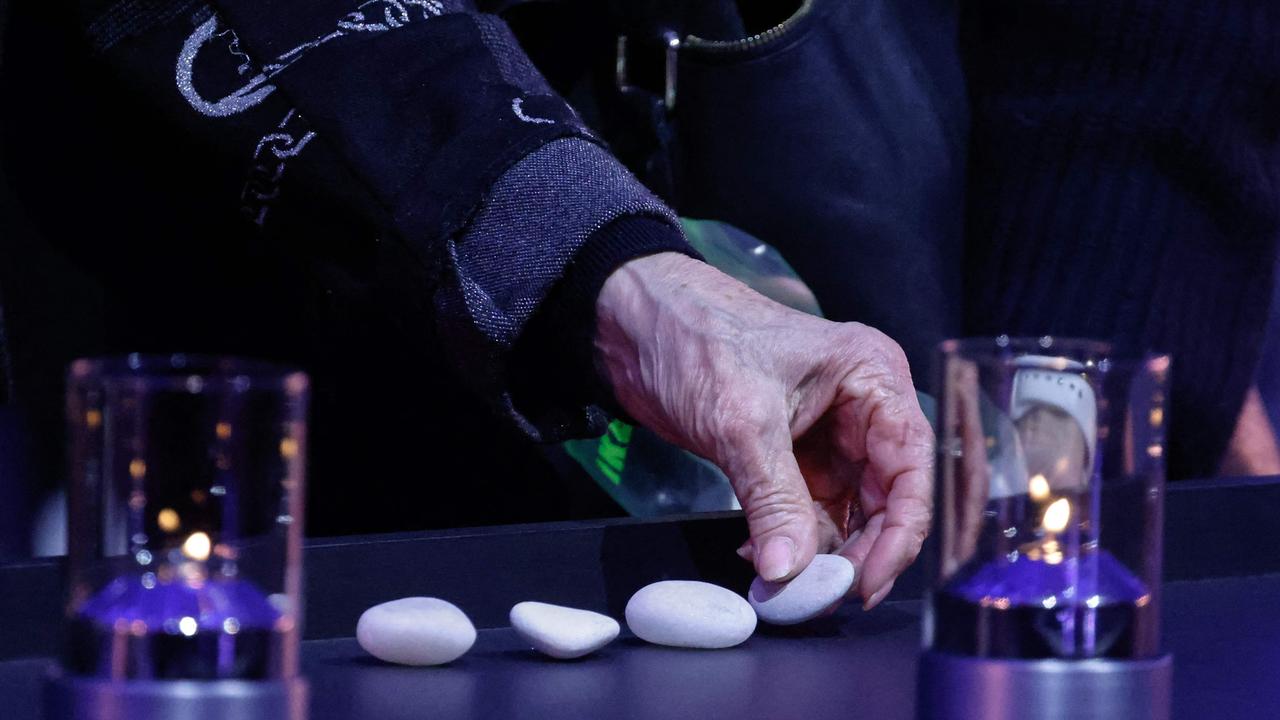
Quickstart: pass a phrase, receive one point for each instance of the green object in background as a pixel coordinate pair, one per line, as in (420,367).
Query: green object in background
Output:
(611,450)
(650,477)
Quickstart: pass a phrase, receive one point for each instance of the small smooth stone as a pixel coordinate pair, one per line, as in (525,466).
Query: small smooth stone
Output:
(415,631)
(805,596)
(692,614)
(563,632)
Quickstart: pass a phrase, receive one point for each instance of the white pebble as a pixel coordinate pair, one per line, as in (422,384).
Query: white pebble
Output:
(805,596)
(562,632)
(687,613)
(415,631)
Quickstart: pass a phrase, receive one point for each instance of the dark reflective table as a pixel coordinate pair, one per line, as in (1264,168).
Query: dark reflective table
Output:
(1221,620)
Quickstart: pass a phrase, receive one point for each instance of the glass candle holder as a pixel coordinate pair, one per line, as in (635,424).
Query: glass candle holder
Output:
(184,530)
(1047,538)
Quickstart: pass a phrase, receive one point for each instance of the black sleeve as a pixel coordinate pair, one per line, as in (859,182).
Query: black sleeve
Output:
(406,146)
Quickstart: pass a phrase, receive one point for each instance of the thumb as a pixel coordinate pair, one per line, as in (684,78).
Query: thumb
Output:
(779,510)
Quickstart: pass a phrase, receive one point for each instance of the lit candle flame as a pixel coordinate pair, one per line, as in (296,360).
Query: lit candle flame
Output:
(1057,515)
(1038,486)
(197,546)
(168,520)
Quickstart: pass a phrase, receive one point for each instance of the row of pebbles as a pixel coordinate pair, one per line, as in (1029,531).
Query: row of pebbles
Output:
(677,613)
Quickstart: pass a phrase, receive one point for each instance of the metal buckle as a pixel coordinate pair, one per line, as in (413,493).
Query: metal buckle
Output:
(670,44)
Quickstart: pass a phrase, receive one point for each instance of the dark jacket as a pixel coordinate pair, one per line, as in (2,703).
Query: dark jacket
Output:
(386,193)
(1124,184)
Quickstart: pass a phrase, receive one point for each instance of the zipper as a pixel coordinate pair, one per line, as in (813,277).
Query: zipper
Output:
(773,34)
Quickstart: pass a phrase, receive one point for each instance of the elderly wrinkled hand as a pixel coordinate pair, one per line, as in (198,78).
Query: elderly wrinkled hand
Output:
(816,423)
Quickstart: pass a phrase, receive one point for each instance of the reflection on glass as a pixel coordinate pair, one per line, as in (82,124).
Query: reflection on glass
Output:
(1048,501)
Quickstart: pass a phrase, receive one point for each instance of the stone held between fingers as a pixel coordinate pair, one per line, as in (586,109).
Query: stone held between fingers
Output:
(690,614)
(562,632)
(415,631)
(818,587)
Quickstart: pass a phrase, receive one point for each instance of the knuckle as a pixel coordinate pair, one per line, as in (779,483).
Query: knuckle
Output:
(917,517)
(875,353)
(769,505)
(754,411)
(748,419)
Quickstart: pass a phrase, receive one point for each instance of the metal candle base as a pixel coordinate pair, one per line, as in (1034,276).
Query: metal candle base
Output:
(953,687)
(81,698)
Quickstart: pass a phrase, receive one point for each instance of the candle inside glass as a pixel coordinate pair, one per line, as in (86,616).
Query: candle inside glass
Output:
(184,535)
(1025,574)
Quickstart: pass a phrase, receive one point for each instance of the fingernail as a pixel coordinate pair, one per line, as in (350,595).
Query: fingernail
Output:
(747,551)
(776,559)
(849,542)
(879,595)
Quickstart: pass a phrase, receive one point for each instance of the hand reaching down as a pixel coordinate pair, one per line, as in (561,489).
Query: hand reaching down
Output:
(815,423)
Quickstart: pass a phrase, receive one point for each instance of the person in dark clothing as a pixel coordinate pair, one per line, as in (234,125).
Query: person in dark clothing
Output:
(388,193)
(1124,184)
(1118,182)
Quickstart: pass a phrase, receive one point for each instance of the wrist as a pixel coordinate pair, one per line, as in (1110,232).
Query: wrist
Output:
(558,345)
